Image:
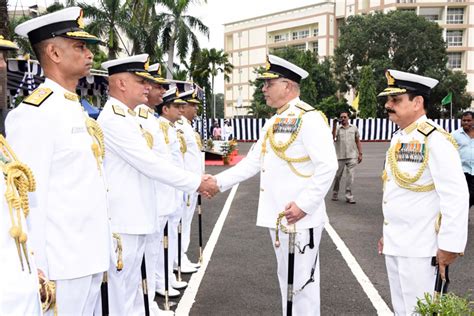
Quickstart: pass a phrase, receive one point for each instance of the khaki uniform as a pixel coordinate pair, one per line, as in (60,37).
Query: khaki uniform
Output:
(411,208)
(305,182)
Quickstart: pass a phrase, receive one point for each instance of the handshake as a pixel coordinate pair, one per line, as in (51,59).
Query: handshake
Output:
(208,187)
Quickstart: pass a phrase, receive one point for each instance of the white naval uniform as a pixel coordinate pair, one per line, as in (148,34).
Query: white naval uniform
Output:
(133,168)
(68,222)
(194,162)
(279,185)
(410,239)
(165,202)
(19,293)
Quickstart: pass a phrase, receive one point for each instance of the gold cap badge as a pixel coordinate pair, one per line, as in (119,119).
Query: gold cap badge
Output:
(390,79)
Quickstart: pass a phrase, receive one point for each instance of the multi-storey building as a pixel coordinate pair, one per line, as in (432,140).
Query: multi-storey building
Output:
(315,27)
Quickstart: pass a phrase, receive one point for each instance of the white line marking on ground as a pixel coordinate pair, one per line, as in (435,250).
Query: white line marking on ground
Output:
(188,299)
(369,289)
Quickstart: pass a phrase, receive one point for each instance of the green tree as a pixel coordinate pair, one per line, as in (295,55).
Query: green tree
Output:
(332,106)
(367,94)
(211,62)
(178,29)
(379,40)
(107,19)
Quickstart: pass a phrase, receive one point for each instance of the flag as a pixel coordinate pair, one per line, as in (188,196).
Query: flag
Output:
(447,99)
(355,103)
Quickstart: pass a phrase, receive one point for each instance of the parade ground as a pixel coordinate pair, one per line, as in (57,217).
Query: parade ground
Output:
(238,275)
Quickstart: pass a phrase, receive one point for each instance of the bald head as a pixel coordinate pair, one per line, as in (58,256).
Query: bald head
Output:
(129,88)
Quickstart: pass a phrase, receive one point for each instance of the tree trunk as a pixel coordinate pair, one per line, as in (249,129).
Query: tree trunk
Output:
(3,68)
(213,99)
(169,66)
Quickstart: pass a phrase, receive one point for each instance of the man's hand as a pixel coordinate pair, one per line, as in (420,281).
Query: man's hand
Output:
(208,186)
(380,246)
(293,213)
(444,258)
(359,158)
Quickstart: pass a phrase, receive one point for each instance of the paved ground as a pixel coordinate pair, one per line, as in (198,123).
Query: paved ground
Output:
(241,276)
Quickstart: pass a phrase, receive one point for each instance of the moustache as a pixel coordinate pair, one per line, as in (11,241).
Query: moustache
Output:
(390,111)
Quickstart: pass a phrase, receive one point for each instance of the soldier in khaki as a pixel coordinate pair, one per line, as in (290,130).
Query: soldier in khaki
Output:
(425,199)
(296,170)
(19,286)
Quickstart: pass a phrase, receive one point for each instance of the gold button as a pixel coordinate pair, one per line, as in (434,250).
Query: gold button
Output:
(385,222)
(385,202)
(261,189)
(263,170)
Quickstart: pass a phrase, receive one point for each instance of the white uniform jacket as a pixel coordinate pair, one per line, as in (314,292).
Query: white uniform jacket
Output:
(409,217)
(69,227)
(19,293)
(132,169)
(279,184)
(193,158)
(164,139)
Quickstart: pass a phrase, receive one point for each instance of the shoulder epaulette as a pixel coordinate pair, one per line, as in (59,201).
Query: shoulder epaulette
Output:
(38,96)
(118,110)
(325,118)
(143,113)
(180,122)
(305,107)
(426,128)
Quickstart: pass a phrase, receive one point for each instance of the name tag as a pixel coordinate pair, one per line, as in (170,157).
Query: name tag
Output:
(77,130)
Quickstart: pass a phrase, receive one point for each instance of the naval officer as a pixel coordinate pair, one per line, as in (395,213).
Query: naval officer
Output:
(53,135)
(19,287)
(296,170)
(132,169)
(425,199)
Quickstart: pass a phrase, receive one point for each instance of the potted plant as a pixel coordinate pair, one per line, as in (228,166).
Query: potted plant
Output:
(446,305)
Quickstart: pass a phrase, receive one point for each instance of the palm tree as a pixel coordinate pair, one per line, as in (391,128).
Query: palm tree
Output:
(210,64)
(177,29)
(107,19)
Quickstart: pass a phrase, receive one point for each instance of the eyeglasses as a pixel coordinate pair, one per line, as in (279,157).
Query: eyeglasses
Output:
(271,83)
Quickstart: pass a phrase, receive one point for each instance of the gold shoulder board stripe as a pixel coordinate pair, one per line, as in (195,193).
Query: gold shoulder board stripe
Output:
(143,113)
(305,107)
(118,110)
(38,96)
(426,128)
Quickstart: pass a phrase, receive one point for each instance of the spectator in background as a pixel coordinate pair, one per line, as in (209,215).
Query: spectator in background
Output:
(349,154)
(216,131)
(227,131)
(464,136)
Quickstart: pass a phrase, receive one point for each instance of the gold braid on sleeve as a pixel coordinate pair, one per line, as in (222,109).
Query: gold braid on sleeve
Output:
(98,147)
(19,180)
(164,128)
(198,140)
(148,137)
(280,148)
(405,180)
(182,142)
(119,251)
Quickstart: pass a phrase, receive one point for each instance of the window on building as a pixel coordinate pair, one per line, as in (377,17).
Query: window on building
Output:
(456,0)
(300,34)
(314,47)
(408,10)
(300,47)
(454,60)
(455,16)
(278,49)
(280,38)
(406,1)
(315,32)
(454,38)
(431,14)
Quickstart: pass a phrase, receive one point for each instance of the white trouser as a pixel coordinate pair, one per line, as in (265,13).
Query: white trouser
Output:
(77,296)
(306,301)
(125,285)
(153,248)
(409,279)
(187,220)
(173,222)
